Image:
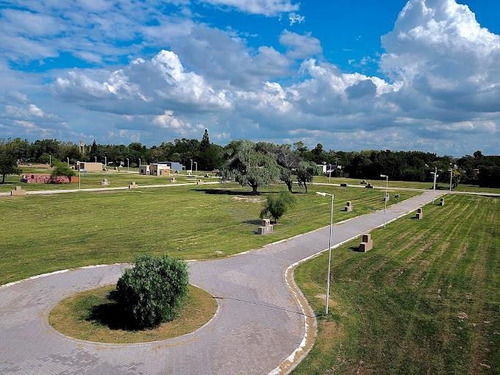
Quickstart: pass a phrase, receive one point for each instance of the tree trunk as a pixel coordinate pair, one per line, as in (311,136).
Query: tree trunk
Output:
(289,185)
(305,186)
(254,189)
(3,178)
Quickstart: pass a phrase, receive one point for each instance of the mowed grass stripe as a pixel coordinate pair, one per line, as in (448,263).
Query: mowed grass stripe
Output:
(431,308)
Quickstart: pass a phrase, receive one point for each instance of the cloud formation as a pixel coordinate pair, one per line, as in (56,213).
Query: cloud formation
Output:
(439,77)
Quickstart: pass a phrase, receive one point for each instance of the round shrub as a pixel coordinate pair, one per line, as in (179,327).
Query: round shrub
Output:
(152,291)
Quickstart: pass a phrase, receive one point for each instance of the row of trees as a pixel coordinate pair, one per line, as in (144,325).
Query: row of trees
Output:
(245,160)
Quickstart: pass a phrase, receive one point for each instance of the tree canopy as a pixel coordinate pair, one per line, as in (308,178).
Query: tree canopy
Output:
(249,166)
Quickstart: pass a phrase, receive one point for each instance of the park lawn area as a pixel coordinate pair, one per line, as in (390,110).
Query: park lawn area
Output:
(407,184)
(52,232)
(425,300)
(89,180)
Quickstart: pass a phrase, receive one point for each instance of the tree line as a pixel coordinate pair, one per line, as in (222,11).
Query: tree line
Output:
(255,164)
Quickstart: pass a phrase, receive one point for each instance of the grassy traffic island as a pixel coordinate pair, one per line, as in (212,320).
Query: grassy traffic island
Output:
(92,316)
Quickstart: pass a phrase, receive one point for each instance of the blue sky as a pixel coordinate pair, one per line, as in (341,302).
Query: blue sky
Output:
(358,74)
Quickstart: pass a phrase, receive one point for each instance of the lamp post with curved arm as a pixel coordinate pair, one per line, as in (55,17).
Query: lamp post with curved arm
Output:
(385,197)
(329,249)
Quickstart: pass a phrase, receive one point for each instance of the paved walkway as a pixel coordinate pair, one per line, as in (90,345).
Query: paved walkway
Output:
(259,323)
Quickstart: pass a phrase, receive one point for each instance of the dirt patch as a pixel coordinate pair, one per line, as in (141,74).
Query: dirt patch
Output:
(322,297)
(249,199)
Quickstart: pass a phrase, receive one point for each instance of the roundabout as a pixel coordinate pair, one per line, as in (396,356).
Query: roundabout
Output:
(260,326)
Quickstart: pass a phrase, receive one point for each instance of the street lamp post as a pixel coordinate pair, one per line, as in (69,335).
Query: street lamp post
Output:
(329,172)
(139,162)
(128,164)
(191,170)
(196,166)
(435,173)
(451,177)
(78,165)
(329,249)
(385,197)
(67,159)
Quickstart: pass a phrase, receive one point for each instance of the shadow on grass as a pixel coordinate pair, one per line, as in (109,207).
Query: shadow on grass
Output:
(253,222)
(110,315)
(356,249)
(239,192)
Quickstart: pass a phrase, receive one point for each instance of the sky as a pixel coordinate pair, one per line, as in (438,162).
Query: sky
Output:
(349,74)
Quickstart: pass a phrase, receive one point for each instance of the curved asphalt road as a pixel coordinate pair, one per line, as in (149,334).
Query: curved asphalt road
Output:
(259,323)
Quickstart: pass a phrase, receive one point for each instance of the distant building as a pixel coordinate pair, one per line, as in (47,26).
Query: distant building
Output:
(175,166)
(321,168)
(89,167)
(160,168)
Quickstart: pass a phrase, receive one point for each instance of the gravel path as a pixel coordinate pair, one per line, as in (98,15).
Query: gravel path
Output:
(259,323)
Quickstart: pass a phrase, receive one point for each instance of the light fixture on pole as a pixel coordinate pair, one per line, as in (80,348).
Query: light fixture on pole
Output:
(78,164)
(196,166)
(435,173)
(329,250)
(451,176)
(386,196)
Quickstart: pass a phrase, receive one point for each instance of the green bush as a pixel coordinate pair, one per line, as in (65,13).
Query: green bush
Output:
(152,291)
(277,206)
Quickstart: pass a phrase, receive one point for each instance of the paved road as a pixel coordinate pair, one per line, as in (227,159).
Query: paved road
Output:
(258,325)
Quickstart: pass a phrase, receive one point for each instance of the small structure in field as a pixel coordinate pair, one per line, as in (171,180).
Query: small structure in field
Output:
(420,213)
(348,206)
(47,179)
(266,227)
(441,202)
(85,166)
(18,191)
(104,182)
(366,243)
(133,185)
(162,168)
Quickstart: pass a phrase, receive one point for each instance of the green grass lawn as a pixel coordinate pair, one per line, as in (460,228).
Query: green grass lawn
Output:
(425,300)
(46,233)
(406,184)
(123,177)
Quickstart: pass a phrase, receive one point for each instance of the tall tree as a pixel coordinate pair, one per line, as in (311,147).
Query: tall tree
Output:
(305,173)
(249,166)
(205,142)
(8,160)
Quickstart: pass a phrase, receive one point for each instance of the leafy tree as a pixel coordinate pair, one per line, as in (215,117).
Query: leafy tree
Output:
(305,173)
(152,291)
(277,206)
(287,160)
(249,166)
(63,169)
(8,160)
